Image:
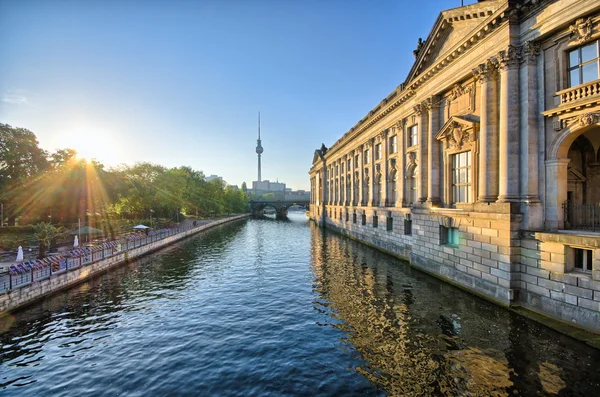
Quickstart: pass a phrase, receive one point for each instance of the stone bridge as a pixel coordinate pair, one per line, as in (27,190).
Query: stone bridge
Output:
(280,206)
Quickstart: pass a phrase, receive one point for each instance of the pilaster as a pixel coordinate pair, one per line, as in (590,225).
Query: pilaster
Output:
(421,112)
(383,201)
(509,125)
(486,74)
(401,163)
(433,152)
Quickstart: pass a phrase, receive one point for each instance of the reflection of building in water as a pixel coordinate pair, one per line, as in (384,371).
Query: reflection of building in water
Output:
(387,325)
(474,167)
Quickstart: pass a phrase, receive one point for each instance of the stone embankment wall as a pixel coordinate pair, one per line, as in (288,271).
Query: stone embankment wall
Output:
(492,258)
(19,297)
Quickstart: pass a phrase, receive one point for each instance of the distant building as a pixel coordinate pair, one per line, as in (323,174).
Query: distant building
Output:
(211,177)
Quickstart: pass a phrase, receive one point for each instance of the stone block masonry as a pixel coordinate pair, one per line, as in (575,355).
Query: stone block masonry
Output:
(20,297)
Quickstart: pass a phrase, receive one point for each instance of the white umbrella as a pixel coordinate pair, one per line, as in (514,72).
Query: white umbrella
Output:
(20,254)
(76,242)
(141,227)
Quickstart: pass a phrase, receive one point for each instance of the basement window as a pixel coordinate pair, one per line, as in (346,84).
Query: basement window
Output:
(375,220)
(354,217)
(449,236)
(364,218)
(580,259)
(389,222)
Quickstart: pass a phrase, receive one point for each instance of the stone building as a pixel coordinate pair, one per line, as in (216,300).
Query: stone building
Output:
(483,167)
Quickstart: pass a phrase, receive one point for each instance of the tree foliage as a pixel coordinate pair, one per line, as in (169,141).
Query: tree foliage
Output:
(36,185)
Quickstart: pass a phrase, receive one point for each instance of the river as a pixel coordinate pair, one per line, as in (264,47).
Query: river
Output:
(281,308)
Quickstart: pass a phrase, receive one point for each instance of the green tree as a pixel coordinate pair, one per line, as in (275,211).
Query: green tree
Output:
(21,159)
(244,187)
(44,233)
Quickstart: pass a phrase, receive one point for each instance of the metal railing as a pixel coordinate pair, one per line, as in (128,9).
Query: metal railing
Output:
(582,216)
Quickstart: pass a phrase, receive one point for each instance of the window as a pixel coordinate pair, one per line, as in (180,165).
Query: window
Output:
(367,156)
(461,177)
(449,236)
(364,219)
(347,216)
(389,224)
(342,168)
(375,220)
(413,138)
(412,186)
(583,64)
(580,259)
(407,225)
(349,165)
(378,151)
(356,160)
(354,217)
(394,144)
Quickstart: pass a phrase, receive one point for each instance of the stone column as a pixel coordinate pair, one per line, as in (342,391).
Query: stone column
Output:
(556,194)
(384,167)
(509,125)
(371,172)
(529,141)
(401,163)
(422,162)
(433,153)
(488,133)
(351,170)
(361,167)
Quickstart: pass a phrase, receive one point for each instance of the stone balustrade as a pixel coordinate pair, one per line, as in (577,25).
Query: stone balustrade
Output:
(579,92)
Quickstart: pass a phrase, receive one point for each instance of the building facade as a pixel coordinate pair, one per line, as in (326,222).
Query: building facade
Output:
(483,167)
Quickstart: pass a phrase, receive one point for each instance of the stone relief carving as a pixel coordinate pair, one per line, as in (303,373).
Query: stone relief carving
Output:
(458,136)
(418,109)
(582,29)
(530,51)
(510,57)
(457,91)
(412,159)
(582,120)
(400,124)
(393,165)
(486,71)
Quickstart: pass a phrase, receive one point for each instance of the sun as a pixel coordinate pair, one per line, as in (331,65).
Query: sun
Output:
(92,145)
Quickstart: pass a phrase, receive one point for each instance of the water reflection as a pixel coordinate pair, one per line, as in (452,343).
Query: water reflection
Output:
(418,336)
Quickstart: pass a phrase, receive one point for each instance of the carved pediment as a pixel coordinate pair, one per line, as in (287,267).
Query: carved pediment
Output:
(459,132)
(450,29)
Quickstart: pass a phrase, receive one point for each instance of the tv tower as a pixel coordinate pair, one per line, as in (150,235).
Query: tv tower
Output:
(259,148)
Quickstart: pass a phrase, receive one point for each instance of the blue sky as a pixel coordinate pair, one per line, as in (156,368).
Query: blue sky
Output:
(181,82)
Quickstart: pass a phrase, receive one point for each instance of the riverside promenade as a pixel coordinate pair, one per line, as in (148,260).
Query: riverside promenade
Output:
(41,282)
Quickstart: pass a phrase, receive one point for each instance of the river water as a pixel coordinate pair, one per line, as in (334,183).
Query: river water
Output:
(281,308)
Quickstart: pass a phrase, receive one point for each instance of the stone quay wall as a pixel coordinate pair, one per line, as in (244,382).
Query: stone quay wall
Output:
(20,297)
(493,258)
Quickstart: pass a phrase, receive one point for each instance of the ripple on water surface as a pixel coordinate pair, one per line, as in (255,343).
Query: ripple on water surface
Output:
(272,308)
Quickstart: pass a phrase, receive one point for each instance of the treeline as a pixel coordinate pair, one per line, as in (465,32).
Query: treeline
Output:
(36,185)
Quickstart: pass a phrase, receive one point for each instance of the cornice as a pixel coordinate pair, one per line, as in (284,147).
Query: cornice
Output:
(407,90)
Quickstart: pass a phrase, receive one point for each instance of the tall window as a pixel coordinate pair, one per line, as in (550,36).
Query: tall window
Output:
(378,151)
(342,168)
(413,138)
(583,64)
(349,165)
(461,177)
(367,156)
(356,159)
(412,186)
(393,144)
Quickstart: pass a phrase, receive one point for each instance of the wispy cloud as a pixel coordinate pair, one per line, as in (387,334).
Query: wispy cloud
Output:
(14,99)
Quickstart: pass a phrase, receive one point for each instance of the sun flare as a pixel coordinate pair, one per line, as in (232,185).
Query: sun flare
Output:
(90,145)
